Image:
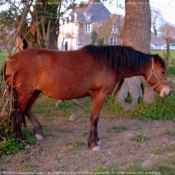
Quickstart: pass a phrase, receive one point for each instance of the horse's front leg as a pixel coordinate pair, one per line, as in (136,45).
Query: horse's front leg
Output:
(96,105)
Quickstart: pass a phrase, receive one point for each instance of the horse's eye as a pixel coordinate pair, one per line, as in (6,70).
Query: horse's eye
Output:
(163,72)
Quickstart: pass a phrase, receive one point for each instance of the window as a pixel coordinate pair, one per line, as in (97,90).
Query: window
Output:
(113,41)
(114,29)
(88,27)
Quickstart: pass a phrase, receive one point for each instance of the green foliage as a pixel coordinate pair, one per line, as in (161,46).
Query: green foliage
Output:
(64,105)
(171,66)
(162,108)
(171,71)
(4,127)
(28,167)
(30,36)
(165,167)
(161,150)
(75,146)
(117,129)
(112,107)
(140,138)
(10,144)
(3,55)
(94,37)
(101,42)
(46,106)
(169,133)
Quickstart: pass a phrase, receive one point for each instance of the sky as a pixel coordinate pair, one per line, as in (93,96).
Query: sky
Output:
(166,7)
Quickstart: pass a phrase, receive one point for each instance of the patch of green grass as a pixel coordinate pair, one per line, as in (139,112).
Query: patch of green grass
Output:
(64,105)
(162,108)
(75,146)
(171,66)
(165,167)
(111,108)
(139,125)
(3,56)
(169,133)
(85,134)
(63,130)
(117,129)
(161,150)
(28,167)
(12,145)
(46,106)
(140,138)
(29,136)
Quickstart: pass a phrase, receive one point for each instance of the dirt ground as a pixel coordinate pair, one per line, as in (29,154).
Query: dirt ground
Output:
(64,149)
(54,154)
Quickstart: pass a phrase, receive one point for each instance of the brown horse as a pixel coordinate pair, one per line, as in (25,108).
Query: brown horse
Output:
(91,71)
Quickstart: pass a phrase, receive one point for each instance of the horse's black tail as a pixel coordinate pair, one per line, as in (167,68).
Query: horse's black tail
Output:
(15,123)
(15,118)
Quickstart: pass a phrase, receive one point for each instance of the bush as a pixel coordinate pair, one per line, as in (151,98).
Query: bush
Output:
(10,144)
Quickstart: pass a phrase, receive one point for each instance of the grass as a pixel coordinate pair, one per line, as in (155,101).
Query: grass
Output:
(74,146)
(117,129)
(164,167)
(161,150)
(162,53)
(10,145)
(162,108)
(169,133)
(171,66)
(3,55)
(28,167)
(46,106)
(140,138)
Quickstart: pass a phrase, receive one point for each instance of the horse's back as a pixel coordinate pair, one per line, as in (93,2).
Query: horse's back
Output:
(58,74)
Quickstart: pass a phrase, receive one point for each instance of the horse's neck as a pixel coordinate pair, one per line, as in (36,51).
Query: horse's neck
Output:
(132,72)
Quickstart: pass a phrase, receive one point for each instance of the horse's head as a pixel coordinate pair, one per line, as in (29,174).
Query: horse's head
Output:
(156,76)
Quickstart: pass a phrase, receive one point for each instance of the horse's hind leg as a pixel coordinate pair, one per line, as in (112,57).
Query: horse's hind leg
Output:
(37,126)
(96,105)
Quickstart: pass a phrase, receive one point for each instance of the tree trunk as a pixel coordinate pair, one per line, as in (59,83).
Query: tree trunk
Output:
(168,51)
(45,20)
(53,40)
(137,25)
(137,34)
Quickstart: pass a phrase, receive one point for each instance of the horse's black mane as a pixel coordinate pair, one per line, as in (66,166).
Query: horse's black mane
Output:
(119,57)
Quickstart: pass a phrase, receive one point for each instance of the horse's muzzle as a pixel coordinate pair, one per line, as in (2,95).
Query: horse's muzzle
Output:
(165,92)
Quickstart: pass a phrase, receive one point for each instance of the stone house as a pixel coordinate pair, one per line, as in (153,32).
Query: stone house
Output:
(76,29)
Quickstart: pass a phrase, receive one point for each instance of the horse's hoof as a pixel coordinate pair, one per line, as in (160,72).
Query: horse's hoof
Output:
(27,147)
(99,142)
(39,137)
(96,148)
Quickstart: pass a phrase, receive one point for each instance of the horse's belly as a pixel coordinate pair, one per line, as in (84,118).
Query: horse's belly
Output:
(64,90)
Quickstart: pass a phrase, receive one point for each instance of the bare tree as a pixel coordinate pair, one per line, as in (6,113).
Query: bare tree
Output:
(167,32)
(36,24)
(156,20)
